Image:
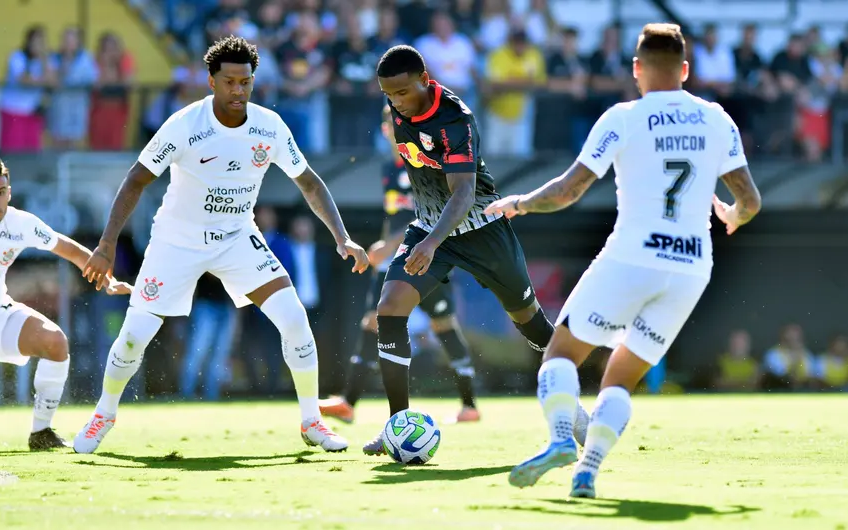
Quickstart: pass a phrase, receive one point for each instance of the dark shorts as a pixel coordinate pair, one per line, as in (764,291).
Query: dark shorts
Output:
(438,304)
(492,254)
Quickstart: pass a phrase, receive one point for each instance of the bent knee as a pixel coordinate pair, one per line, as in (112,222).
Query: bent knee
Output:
(522,316)
(398,299)
(54,346)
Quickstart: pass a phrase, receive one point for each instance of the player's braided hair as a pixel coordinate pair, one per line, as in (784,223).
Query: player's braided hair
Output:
(231,49)
(399,60)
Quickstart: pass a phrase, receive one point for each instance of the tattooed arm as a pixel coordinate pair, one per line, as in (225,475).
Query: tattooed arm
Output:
(321,203)
(747,196)
(557,194)
(99,266)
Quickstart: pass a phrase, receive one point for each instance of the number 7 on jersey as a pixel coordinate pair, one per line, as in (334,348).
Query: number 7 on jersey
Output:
(682,170)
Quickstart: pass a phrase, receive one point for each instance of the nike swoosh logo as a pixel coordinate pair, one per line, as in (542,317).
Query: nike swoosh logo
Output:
(204,160)
(307,355)
(275,269)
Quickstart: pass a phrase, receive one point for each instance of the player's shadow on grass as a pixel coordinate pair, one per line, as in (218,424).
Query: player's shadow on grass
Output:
(208,463)
(399,474)
(641,510)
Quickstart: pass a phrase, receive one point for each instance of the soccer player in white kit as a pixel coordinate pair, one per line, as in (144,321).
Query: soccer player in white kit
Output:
(218,150)
(24,332)
(668,149)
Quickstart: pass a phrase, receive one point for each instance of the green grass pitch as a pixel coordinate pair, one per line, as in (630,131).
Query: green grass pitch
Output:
(746,462)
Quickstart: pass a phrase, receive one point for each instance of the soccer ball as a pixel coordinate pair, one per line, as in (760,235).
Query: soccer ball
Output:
(411,437)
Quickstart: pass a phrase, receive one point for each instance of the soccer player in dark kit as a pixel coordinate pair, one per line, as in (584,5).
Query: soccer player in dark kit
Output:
(436,134)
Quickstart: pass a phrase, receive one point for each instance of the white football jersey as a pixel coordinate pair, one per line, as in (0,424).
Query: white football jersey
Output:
(216,171)
(20,230)
(668,150)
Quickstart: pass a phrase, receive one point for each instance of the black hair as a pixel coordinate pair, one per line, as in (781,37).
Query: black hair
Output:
(399,60)
(4,171)
(662,45)
(231,50)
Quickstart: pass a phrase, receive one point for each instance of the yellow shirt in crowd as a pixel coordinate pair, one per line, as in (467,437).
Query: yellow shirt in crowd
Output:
(505,65)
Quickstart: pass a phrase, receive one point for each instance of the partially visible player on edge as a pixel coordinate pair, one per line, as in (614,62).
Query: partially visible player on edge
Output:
(24,332)
(218,150)
(668,149)
(439,305)
(436,134)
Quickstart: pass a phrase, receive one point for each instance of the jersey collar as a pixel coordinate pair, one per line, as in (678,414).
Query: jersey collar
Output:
(436,100)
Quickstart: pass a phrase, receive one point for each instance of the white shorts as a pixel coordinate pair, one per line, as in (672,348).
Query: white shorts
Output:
(12,318)
(168,277)
(642,308)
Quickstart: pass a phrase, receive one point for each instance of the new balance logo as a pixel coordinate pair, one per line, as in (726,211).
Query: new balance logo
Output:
(234,166)
(528,292)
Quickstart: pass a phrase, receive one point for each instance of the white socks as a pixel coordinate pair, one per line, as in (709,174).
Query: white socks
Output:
(610,417)
(559,388)
(286,311)
(125,357)
(50,377)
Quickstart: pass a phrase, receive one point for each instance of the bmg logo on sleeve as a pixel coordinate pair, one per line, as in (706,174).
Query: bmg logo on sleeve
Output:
(678,117)
(163,154)
(609,138)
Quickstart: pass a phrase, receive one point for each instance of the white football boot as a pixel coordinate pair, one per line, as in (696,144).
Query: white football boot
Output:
(88,439)
(314,432)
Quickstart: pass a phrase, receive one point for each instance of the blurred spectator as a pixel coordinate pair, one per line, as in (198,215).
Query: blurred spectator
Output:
(188,84)
(368,13)
(610,71)
(513,71)
(789,364)
(754,86)
(272,32)
(218,16)
(791,67)
(539,23)
(466,16)
(305,73)
(415,17)
(843,49)
(568,80)
(110,105)
(737,369)
(450,57)
(23,101)
(814,103)
(212,326)
(494,25)
(326,19)
(70,107)
(715,66)
(387,32)
(832,365)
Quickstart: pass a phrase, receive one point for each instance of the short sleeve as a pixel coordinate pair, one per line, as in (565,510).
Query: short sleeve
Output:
(38,234)
(165,147)
(461,145)
(604,142)
(288,156)
(733,154)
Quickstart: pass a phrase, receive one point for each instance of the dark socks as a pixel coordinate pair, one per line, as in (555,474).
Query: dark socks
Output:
(360,366)
(460,355)
(395,356)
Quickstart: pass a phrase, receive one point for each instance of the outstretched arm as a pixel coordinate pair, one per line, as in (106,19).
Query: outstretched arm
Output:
(99,266)
(322,204)
(556,194)
(68,249)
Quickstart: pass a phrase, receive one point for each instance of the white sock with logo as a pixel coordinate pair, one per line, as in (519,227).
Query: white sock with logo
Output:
(286,311)
(558,391)
(49,382)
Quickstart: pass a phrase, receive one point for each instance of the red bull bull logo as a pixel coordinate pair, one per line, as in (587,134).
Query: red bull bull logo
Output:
(416,157)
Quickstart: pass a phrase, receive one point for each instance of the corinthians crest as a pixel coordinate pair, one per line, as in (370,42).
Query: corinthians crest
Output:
(260,155)
(150,291)
(7,257)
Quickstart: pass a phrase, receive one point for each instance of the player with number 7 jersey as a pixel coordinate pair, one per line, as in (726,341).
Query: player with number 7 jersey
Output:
(218,150)
(669,149)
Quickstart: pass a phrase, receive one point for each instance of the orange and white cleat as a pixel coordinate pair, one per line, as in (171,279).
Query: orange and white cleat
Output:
(315,433)
(336,407)
(467,414)
(88,439)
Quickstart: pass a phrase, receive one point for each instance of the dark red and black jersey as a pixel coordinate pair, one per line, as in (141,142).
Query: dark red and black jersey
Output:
(443,140)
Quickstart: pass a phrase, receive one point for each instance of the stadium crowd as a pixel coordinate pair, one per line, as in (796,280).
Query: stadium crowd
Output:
(523,74)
